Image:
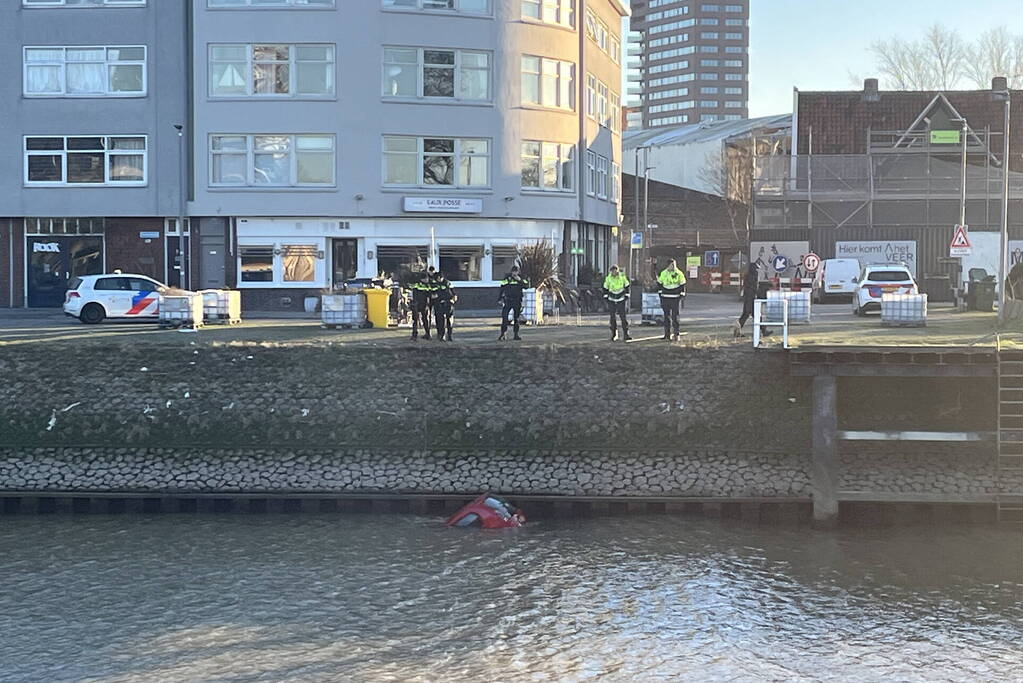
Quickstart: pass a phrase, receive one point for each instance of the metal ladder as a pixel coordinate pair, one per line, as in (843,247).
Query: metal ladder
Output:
(1010,433)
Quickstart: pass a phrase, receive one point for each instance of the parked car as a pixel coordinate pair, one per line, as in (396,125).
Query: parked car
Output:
(93,298)
(877,279)
(835,278)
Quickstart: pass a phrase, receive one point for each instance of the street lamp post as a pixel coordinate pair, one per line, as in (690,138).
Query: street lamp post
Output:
(183,279)
(1003,265)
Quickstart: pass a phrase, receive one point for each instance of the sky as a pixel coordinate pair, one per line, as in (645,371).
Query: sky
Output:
(815,44)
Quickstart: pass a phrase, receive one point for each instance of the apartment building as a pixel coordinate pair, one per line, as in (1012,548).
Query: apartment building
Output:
(325,141)
(689,61)
(91,178)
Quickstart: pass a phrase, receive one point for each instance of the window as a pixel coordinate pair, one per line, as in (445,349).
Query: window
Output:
(467,6)
(671,26)
(733,63)
(733,36)
(710,62)
(257,263)
(591,96)
(669,66)
(709,35)
(548,82)
(735,49)
(591,173)
(305,70)
(615,113)
(708,22)
(708,48)
(270,4)
(733,117)
(708,91)
(709,104)
(85,71)
(561,12)
(272,160)
(447,74)
(602,177)
(461,263)
(93,160)
(83,3)
(668,80)
(708,77)
(733,8)
(733,91)
(667,120)
(502,258)
(675,92)
(548,166)
(710,8)
(436,162)
(602,104)
(734,105)
(734,77)
(393,259)
(298,263)
(616,50)
(735,22)
(616,182)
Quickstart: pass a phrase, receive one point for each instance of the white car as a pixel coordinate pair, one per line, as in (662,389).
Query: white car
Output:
(835,278)
(878,279)
(93,298)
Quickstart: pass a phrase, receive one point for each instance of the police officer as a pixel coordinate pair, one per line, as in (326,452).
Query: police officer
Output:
(421,289)
(443,305)
(616,291)
(671,285)
(510,299)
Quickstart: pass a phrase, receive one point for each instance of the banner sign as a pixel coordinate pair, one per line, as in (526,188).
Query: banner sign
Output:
(879,251)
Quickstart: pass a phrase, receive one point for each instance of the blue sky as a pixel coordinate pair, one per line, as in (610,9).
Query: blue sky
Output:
(814,44)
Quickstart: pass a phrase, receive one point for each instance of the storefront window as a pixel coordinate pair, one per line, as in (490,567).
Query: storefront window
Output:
(503,258)
(257,264)
(462,264)
(392,261)
(299,263)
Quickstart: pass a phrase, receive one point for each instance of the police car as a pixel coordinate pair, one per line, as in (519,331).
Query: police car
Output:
(878,279)
(93,298)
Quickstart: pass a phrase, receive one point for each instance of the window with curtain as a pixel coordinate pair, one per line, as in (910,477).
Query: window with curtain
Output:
(298,263)
(85,71)
(86,160)
(272,70)
(436,162)
(272,160)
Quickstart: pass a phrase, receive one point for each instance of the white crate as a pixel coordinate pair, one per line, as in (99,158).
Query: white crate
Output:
(181,309)
(799,306)
(348,310)
(531,313)
(221,305)
(908,310)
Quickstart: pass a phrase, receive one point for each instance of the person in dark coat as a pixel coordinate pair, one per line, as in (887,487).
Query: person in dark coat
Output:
(510,299)
(749,294)
(443,305)
(421,290)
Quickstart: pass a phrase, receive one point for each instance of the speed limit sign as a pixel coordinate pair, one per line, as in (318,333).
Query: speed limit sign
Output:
(811,262)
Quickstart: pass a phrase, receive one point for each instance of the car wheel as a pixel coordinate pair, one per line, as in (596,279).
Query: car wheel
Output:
(92,314)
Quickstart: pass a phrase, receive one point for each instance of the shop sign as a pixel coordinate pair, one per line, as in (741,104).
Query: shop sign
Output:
(46,247)
(443,205)
(149,235)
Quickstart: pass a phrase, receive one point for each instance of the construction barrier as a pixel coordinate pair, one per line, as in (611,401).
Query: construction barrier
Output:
(792,284)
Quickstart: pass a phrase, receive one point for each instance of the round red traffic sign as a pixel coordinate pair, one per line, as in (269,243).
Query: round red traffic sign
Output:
(811,262)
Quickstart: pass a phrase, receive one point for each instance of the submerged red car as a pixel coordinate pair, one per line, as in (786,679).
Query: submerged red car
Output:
(488,512)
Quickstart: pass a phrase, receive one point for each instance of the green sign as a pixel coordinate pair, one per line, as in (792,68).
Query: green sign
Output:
(693,261)
(579,251)
(945,137)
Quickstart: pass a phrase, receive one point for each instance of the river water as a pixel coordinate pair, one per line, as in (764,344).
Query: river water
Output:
(380,598)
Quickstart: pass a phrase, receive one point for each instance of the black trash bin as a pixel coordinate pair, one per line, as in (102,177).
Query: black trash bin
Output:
(981,294)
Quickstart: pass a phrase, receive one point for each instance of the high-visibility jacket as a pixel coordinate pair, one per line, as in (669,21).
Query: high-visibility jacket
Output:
(511,290)
(616,287)
(671,284)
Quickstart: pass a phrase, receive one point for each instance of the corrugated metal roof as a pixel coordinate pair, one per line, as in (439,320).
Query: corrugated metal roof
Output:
(701,132)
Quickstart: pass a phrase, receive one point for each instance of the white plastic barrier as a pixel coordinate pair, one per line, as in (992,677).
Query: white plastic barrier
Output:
(799,306)
(908,310)
(759,321)
(181,310)
(345,310)
(222,305)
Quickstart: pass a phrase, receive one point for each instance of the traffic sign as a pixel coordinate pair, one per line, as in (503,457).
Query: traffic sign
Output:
(712,259)
(811,262)
(960,245)
(637,240)
(780,263)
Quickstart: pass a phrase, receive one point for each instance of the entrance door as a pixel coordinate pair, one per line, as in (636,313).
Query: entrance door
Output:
(212,263)
(177,261)
(54,260)
(345,257)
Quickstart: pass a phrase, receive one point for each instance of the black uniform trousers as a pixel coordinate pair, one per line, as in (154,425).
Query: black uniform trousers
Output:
(621,309)
(515,308)
(420,316)
(748,296)
(443,317)
(670,306)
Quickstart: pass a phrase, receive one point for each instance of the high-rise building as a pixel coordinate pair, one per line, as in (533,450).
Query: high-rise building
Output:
(688,61)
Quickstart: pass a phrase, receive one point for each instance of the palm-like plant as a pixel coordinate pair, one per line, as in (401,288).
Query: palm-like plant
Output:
(538,264)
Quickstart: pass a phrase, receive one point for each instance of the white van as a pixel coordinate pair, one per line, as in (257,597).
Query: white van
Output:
(835,278)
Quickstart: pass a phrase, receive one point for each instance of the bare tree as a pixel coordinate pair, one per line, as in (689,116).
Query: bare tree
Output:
(995,53)
(935,62)
(730,177)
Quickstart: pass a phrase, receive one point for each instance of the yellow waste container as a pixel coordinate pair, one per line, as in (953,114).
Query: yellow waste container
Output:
(376,306)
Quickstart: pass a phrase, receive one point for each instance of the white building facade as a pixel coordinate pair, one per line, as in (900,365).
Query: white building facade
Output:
(338,140)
